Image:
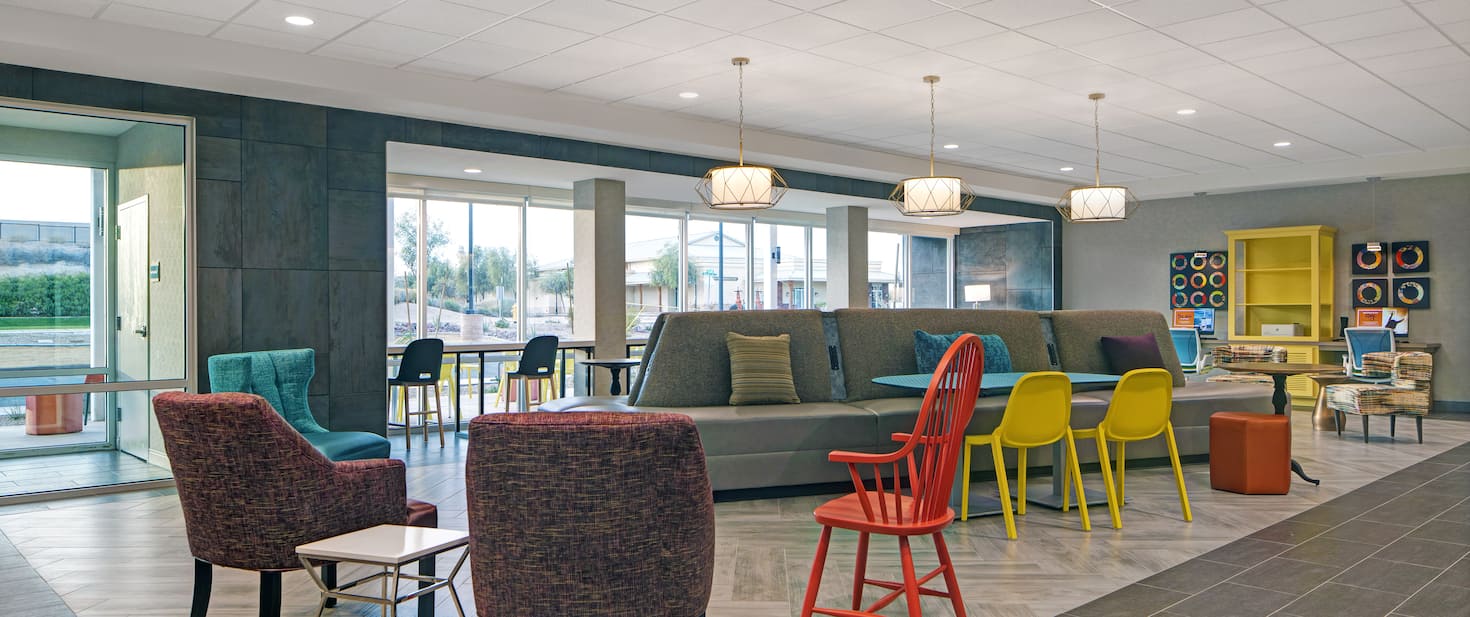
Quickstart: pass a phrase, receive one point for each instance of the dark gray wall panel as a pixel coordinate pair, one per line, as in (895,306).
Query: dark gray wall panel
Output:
(217,211)
(16,81)
(364,412)
(216,114)
(357,224)
(75,89)
(219,316)
(358,307)
(285,123)
(362,131)
(283,309)
(218,158)
(285,196)
(357,171)
(1015,260)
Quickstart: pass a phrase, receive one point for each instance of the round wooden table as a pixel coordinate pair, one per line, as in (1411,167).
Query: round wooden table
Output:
(1279,371)
(617,366)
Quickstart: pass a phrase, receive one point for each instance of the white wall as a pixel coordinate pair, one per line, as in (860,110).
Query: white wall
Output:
(1125,265)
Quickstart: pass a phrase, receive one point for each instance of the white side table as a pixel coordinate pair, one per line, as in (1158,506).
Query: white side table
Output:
(390,547)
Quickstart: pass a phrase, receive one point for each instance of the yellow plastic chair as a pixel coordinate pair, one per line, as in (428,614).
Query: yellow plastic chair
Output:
(1140,410)
(1037,414)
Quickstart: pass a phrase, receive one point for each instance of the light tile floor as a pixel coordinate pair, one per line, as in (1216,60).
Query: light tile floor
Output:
(128,555)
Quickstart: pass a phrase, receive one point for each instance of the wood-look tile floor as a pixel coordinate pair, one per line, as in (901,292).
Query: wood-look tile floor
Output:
(127,555)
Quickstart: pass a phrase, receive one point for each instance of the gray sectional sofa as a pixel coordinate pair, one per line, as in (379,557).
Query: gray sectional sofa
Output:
(835,356)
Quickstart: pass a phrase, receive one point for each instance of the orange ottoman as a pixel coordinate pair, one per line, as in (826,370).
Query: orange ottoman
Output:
(1250,453)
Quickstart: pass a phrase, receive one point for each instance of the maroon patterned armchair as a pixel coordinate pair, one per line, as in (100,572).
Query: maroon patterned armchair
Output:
(598,513)
(252,490)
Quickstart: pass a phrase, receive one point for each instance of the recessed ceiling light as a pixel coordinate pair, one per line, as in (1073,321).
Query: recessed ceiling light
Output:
(951,146)
(300,20)
(688,95)
(1066,169)
(1185,112)
(1282,144)
(472,170)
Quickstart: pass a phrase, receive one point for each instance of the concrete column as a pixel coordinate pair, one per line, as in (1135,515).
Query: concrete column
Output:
(598,302)
(847,257)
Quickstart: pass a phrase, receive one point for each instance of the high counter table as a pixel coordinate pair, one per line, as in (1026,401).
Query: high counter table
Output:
(995,383)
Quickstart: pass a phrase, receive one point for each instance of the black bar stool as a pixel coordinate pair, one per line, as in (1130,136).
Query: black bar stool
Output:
(422,361)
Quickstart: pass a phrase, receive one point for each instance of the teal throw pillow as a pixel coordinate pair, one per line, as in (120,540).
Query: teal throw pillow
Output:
(929,350)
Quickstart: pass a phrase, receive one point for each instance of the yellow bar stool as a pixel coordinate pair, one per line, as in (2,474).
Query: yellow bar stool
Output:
(1139,410)
(1037,414)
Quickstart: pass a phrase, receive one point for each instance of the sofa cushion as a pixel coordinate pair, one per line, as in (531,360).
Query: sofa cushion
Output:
(587,403)
(1079,338)
(875,342)
(929,349)
(688,365)
(760,369)
(898,415)
(1127,353)
(349,445)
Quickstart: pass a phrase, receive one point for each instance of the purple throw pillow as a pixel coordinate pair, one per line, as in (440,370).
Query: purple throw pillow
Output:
(1126,353)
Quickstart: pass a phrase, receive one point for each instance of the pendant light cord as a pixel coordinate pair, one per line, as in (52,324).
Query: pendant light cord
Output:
(741,67)
(1097,144)
(932,86)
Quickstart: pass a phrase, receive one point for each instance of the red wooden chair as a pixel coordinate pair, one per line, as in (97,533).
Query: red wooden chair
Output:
(924,509)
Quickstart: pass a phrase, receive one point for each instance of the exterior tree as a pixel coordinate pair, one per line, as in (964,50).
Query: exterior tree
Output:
(666,274)
(557,283)
(406,232)
(494,267)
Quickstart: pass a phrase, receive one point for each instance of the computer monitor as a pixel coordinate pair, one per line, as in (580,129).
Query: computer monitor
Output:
(1202,319)
(1396,319)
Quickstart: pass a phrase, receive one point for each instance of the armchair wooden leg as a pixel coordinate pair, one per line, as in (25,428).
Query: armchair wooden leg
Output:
(203,583)
(1419,427)
(1392,426)
(329,576)
(270,594)
(1365,428)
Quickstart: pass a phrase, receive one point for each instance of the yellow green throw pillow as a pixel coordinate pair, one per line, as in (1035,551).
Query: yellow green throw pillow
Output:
(760,369)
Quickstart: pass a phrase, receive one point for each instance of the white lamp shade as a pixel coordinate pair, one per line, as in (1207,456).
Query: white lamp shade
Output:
(741,187)
(977,293)
(1098,203)
(933,196)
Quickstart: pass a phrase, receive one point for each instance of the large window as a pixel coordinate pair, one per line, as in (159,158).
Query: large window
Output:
(652,276)
(781,278)
(717,253)
(887,270)
(498,269)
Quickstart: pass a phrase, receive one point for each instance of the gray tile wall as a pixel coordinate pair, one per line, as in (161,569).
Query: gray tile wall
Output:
(291,210)
(1015,260)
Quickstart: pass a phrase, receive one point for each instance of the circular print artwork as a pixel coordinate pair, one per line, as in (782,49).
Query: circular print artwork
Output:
(1198,279)
(1370,292)
(1411,257)
(1370,262)
(1411,293)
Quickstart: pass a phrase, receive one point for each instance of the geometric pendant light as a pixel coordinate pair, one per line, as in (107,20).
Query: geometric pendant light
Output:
(741,186)
(1086,204)
(932,195)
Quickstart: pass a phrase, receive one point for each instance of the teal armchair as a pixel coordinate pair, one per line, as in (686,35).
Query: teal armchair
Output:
(281,377)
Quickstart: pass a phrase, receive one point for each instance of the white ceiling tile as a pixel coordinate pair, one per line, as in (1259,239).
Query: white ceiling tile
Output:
(138,16)
(621,84)
(922,63)
(480,57)
(594,16)
(1452,72)
(943,29)
(271,15)
(866,49)
(507,7)
(218,10)
(1444,11)
(443,68)
(1291,61)
(1234,24)
(1424,58)
(656,6)
(1096,78)
(441,17)
(266,38)
(1300,12)
(879,14)
(805,31)
(1165,62)
(80,8)
(366,55)
(997,47)
(388,37)
(717,54)
(808,5)
(551,72)
(1131,45)
(532,35)
(1459,31)
(1157,13)
(1364,25)
(609,52)
(666,33)
(720,14)
(359,8)
(1392,44)
(1083,28)
(1263,44)
(1022,13)
(1049,61)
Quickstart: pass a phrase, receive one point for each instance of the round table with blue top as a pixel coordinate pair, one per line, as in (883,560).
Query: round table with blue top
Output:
(999,383)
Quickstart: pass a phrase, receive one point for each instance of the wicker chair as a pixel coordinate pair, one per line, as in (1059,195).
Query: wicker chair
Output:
(1407,394)
(594,513)
(253,489)
(1247,353)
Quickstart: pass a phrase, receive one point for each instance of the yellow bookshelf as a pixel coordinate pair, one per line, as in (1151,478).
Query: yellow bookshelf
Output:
(1283,275)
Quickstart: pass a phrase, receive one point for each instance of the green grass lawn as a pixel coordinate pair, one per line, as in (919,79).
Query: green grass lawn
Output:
(31,323)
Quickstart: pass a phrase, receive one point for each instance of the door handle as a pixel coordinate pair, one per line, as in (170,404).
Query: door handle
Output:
(141,330)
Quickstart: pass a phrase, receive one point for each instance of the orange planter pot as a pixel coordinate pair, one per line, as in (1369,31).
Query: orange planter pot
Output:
(53,414)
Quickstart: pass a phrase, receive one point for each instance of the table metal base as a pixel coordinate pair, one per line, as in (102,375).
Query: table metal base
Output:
(1044,496)
(390,576)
